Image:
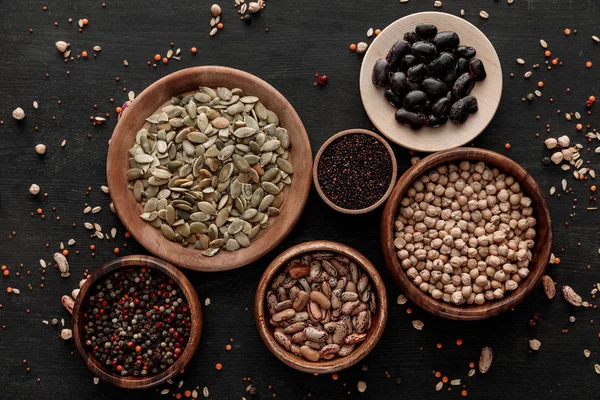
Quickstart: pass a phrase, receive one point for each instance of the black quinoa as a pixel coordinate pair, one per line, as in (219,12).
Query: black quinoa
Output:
(137,322)
(355,171)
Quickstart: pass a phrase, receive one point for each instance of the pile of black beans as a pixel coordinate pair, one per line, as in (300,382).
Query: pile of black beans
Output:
(428,77)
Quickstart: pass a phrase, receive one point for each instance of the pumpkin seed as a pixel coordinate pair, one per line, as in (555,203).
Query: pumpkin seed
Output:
(207,164)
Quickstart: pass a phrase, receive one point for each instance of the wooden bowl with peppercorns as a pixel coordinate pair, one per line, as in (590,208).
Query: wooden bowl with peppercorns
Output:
(176,332)
(334,311)
(478,246)
(355,171)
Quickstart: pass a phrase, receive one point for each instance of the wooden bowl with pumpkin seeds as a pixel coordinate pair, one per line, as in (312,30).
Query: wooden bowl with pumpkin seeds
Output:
(307,294)
(209,168)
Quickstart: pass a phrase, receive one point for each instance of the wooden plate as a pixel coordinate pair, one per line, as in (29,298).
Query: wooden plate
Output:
(339,363)
(387,192)
(541,250)
(151,100)
(132,382)
(450,135)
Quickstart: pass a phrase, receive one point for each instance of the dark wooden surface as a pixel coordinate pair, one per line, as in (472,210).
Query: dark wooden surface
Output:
(304,37)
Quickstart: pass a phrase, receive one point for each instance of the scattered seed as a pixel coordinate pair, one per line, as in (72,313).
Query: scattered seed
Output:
(35,105)
(535,344)
(439,386)
(471,372)
(34,189)
(402,299)
(361,386)
(587,353)
(213,31)
(418,324)
(527,74)
(164,391)
(552,190)
(564,184)
(596,39)
(597,368)
(455,382)
(370,32)
(437,4)
(543,44)
(205,391)
(485,359)
(520,61)
(484,15)
(207,302)
(96,210)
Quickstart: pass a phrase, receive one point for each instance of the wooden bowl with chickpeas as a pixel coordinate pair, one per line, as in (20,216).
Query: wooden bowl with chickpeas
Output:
(466,234)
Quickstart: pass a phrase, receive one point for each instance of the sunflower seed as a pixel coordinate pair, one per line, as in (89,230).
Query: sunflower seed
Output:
(484,15)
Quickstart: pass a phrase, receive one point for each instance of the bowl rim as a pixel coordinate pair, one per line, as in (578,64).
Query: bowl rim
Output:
(424,300)
(365,79)
(195,316)
(336,364)
(315,172)
(290,214)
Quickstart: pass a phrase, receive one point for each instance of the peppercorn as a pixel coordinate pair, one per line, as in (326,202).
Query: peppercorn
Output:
(136,322)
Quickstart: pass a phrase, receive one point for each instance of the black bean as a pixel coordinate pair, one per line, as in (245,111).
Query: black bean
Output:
(415,100)
(397,53)
(411,37)
(426,31)
(463,85)
(465,51)
(393,98)
(413,120)
(446,41)
(413,85)
(424,50)
(398,84)
(434,88)
(380,75)
(416,73)
(462,66)
(462,109)
(450,78)
(434,121)
(427,107)
(440,106)
(442,65)
(477,69)
(408,61)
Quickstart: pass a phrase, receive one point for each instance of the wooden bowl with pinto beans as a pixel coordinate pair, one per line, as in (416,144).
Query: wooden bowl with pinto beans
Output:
(517,265)
(330,307)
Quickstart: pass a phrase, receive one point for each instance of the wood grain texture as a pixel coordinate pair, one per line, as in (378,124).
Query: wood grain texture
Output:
(449,135)
(304,37)
(338,363)
(153,99)
(383,198)
(131,382)
(541,250)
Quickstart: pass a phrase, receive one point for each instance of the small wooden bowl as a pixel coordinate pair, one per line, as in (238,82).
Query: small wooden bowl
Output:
(316,172)
(541,250)
(195,314)
(487,92)
(262,315)
(153,98)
